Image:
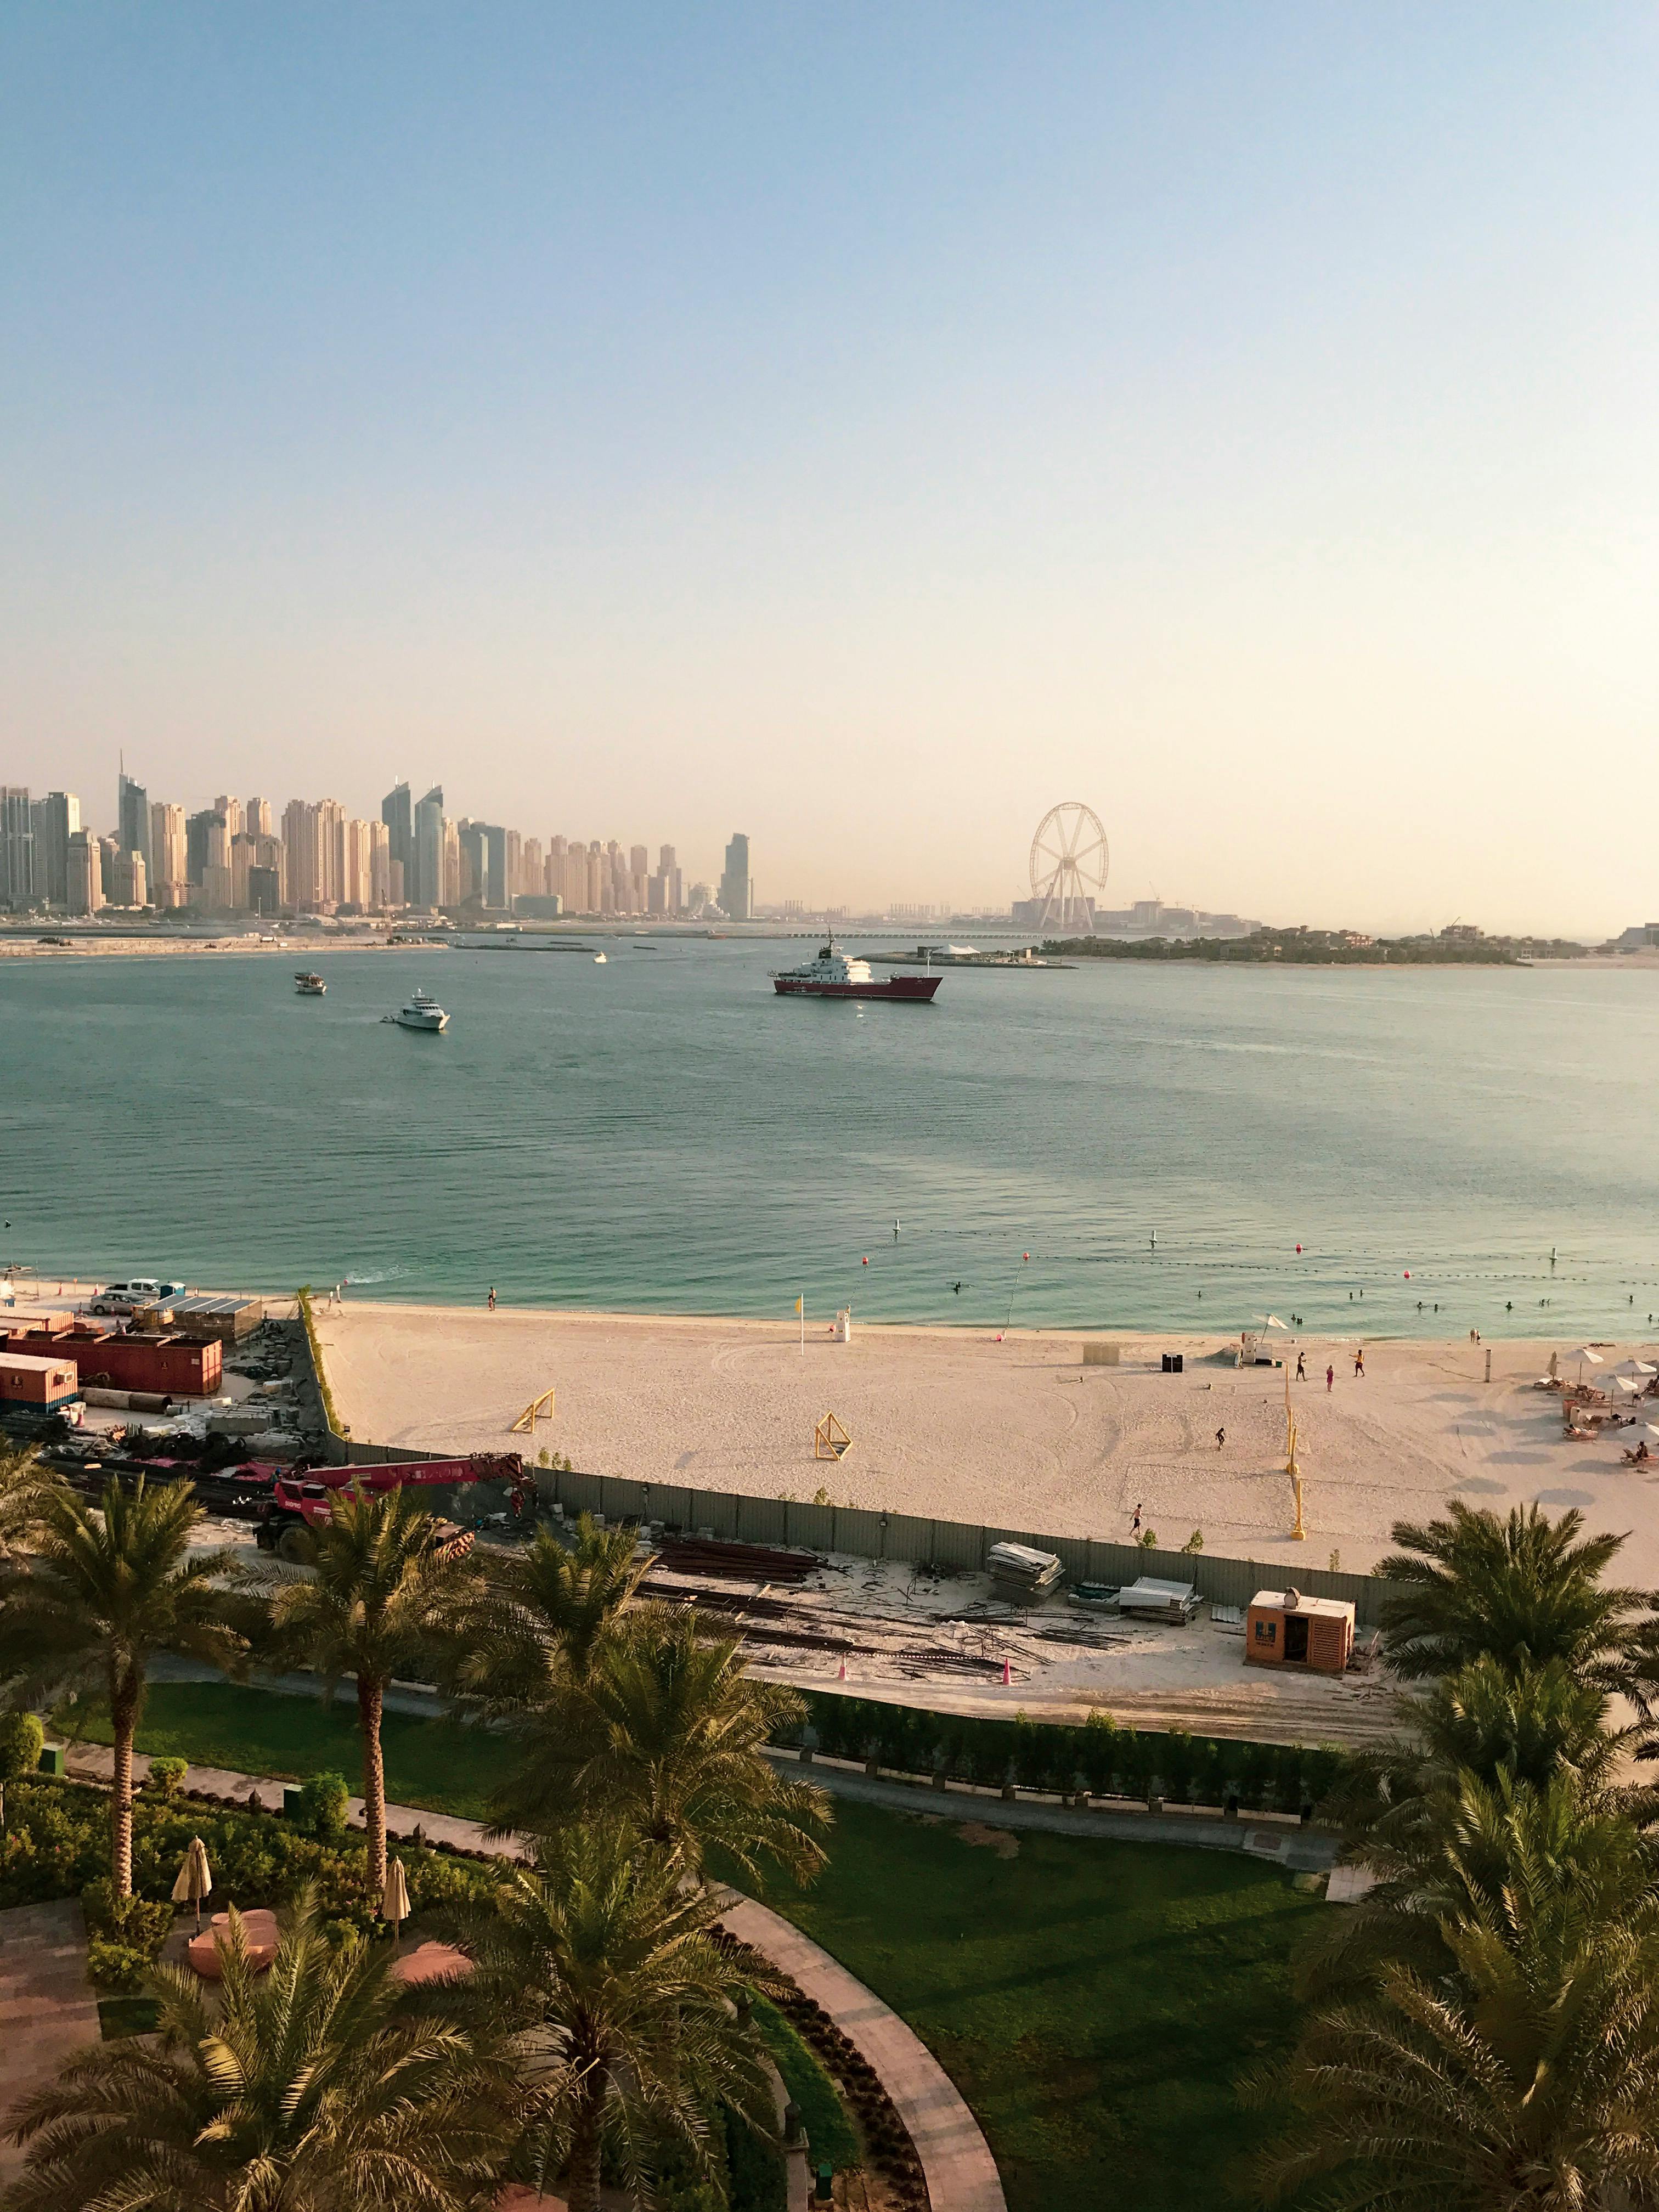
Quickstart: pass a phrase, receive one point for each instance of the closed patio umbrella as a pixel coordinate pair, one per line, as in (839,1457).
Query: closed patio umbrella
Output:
(394,1898)
(195,1880)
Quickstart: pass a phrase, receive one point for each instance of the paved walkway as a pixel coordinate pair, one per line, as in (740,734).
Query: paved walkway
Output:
(47,2008)
(1300,1850)
(961,2174)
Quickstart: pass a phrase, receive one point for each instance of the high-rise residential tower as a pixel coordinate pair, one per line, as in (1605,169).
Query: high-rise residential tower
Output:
(132,821)
(423,875)
(56,818)
(17,885)
(169,879)
(737,885)
(86,873)
(398,812)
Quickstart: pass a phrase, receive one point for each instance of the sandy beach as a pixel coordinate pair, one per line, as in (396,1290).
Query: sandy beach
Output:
(1015,1432)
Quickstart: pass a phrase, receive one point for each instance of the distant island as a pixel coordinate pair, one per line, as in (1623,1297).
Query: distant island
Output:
(1460,945)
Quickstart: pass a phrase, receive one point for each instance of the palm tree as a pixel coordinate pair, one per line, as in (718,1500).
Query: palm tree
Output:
(668,1733)
(1521,1589)
(320,2085)
(630,2030)
(1528,1723)
(386,1578)
(25,1489)
(1438,1857)
(102,1589)
(1523,2077)
(540,1615)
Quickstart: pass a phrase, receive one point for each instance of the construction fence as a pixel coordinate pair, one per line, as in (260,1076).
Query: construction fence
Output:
(914,1541)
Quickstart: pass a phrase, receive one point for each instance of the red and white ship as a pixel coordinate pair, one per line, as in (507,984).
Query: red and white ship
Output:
(834,975)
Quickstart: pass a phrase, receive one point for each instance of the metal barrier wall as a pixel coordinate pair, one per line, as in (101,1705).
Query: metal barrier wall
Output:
(916,1541)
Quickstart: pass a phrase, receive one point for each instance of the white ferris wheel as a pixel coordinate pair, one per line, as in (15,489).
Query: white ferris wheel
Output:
(1070,862)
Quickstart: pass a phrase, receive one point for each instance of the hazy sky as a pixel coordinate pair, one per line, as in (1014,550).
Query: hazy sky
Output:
(861,425)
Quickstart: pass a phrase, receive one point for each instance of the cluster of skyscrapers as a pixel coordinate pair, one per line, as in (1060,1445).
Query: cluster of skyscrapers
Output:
(235,857)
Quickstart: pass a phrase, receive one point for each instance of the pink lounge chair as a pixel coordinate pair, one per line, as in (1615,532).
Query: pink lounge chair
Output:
(427,1961)
(259,1933)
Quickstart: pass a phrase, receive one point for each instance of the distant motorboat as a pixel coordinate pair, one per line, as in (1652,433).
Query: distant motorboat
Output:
(423,1013)
(598,959)
(309,984)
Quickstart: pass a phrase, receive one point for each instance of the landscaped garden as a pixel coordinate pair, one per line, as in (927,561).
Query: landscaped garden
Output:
(1128,2023)
(1092,2000)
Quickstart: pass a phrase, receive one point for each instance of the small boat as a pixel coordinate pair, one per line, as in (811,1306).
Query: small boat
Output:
(598,959)
(309,984)
(423,1013)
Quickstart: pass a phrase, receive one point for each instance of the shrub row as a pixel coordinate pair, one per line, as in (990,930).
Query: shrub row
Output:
(1097,1756)
(57,1844)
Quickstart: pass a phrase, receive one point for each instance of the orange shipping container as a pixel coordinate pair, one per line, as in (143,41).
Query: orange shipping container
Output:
(27,1381)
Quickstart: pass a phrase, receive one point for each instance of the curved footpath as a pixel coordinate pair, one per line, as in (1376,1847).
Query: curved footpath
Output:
(955,2161)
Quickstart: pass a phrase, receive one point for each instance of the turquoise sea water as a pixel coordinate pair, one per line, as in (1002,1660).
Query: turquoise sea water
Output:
(664,1133)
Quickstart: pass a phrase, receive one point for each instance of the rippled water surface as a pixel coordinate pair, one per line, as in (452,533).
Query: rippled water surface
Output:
(663,1132)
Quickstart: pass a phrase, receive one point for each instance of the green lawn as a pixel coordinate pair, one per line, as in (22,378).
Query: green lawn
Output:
(438,1765)
(1093,2001)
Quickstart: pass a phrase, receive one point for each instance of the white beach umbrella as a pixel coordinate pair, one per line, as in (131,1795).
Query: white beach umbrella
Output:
(1586,1352)
(394,1898)
(195,1880)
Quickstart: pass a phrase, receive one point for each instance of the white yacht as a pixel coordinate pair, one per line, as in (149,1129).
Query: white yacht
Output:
(423,1013)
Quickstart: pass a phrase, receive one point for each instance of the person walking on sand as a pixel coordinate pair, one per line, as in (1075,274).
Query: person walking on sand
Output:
(492,1297)
(1359,1360)
(1330,1380)
(1220,1438)
(1301,1369)
(1135,1528)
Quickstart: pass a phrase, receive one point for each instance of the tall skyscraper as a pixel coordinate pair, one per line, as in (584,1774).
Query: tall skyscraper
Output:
(423,879)
(199,831)
(123,874)
(496,891)
(17,885)
(256,817)
(380,867)
(132,820)
(86,873)
(330,850)
(170,871)
(737,885)
(452,872)
(398,812)
(232,809)
(299,845)
(56,818)
(218,886)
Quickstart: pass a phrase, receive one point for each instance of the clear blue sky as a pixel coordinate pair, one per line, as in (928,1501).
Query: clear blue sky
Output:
(861,425)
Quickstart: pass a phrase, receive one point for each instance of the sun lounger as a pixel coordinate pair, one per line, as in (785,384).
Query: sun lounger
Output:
(260,1935)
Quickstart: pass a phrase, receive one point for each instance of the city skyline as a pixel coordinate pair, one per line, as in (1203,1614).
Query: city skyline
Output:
(869,428)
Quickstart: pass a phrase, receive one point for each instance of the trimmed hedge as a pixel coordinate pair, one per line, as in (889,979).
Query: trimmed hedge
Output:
(57,1844)
(1098,1756)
